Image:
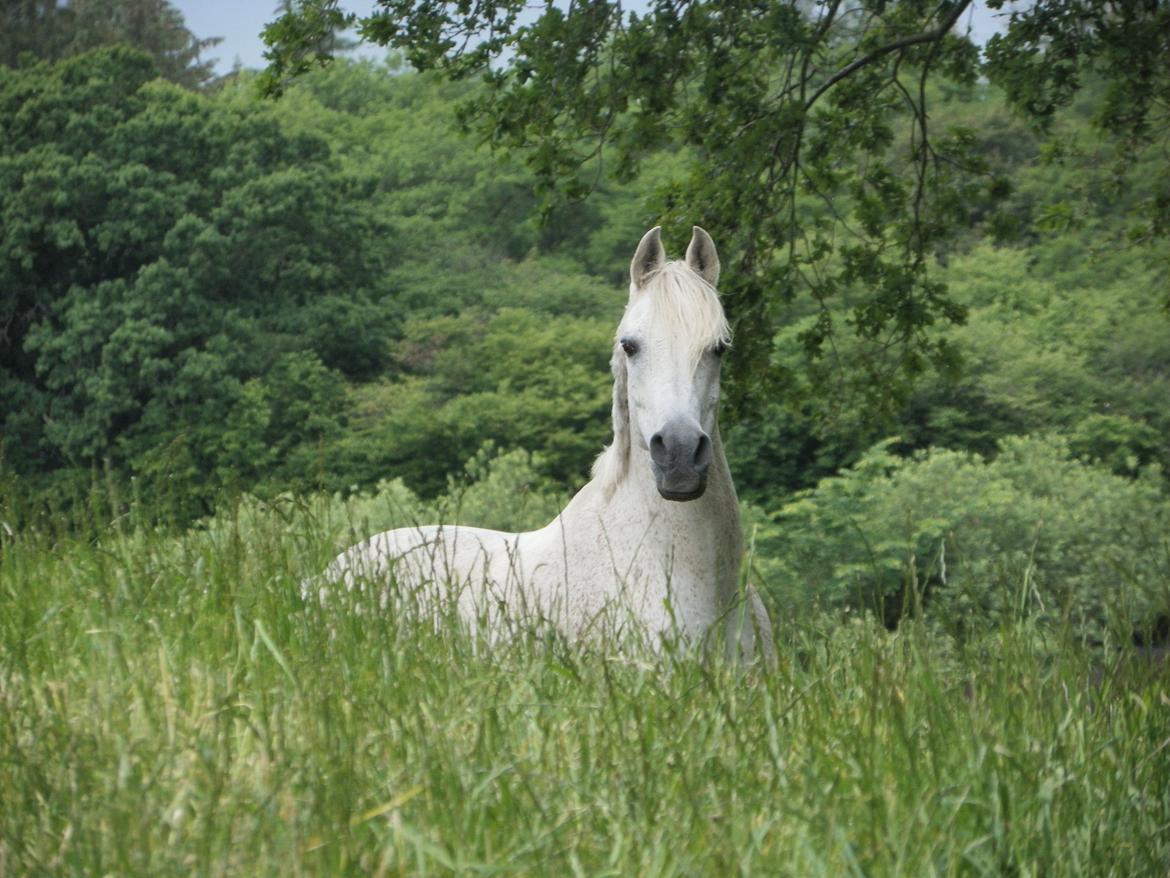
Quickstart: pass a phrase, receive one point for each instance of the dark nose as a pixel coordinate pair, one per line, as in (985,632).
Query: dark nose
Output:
(676,446)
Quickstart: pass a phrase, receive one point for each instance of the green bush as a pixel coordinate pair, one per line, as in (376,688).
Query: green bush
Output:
(516,377)
(503,490)
(1033,533)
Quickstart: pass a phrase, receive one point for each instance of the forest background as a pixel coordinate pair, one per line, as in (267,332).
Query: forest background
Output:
(205,294)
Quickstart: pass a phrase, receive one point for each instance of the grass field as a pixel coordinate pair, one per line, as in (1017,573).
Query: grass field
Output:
(170,706)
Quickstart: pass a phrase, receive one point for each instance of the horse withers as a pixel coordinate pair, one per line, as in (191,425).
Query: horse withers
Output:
(654,539)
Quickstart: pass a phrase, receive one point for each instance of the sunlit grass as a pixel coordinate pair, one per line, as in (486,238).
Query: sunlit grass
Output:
(170,705)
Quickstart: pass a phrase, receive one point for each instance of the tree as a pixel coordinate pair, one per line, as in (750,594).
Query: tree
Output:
(815,158)
(40,28)
(50,30)
(310,32)
(328,41)
(179,277)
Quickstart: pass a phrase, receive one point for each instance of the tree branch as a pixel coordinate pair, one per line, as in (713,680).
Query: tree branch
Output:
(930,36)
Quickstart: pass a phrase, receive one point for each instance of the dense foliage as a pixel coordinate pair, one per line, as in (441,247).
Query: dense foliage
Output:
(176,281)
(812,134)
(212,293)
(976,544)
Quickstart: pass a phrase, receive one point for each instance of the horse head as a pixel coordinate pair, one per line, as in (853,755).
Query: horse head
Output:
(666,363)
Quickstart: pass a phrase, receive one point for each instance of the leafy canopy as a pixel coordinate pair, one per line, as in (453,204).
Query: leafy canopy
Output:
(814,157)
(176,282)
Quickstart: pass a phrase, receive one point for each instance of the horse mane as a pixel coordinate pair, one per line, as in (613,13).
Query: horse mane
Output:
(685,305)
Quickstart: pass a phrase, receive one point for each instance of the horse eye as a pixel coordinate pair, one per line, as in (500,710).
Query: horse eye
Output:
(629,346)
(720,348)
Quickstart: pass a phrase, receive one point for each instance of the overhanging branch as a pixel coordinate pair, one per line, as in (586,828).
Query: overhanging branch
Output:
(930,36)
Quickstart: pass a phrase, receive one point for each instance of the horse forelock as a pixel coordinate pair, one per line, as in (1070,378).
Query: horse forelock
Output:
(683,306)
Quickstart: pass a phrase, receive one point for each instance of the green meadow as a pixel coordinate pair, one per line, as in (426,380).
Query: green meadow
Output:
(169,705)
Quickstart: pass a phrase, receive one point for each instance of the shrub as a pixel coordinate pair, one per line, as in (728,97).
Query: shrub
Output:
(971,542)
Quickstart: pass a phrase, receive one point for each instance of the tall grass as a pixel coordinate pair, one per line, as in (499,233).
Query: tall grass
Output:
(170,706)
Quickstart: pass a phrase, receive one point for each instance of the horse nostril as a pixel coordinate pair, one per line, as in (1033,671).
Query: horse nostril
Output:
(669,449)
(703,453)
(658,452)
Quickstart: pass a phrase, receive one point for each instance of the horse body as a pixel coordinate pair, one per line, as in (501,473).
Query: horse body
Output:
(654,539)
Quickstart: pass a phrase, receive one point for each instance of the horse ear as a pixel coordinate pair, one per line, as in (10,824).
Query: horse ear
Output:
(702,258)
(648,258)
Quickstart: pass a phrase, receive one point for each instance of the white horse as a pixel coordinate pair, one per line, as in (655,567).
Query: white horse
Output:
(656,534)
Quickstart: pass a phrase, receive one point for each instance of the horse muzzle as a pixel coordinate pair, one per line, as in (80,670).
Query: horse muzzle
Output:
(680,455)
